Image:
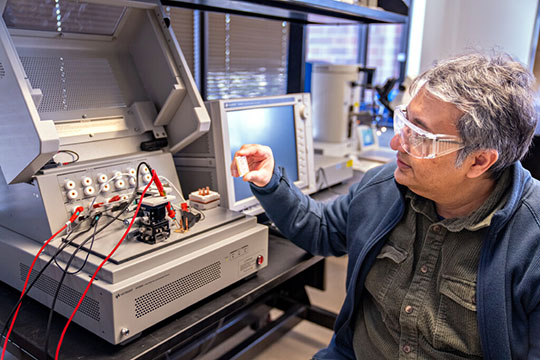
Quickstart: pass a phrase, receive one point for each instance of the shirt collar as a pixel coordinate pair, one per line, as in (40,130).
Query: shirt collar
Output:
(478,219)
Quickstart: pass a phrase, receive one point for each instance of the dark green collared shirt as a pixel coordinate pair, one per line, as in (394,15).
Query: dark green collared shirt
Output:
(420,298)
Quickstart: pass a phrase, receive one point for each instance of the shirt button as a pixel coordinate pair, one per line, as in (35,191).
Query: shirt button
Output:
(424,269)
(408,309)
(437,228)
(406,349)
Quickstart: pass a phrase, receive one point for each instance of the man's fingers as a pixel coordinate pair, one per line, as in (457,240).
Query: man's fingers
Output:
(234,171)
(258,151)
(260,164)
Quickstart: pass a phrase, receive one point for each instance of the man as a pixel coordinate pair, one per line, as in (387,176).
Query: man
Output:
(444,243)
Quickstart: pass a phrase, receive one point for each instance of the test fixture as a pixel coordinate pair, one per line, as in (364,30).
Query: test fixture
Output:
(94,96)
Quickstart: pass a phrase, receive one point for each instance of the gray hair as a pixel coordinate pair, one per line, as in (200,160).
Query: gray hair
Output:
(496,94)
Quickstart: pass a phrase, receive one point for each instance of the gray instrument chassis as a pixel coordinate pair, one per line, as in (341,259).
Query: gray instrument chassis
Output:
(102,93)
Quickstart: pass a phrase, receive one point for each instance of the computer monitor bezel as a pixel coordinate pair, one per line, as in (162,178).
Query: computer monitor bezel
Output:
(219,109)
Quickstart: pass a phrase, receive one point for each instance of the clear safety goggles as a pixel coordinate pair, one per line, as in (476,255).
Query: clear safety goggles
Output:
(420,143)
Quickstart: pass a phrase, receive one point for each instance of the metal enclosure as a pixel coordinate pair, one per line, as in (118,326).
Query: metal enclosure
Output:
(78,89)
(105,80)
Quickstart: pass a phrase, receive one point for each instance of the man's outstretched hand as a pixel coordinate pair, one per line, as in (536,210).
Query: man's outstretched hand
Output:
(261,164)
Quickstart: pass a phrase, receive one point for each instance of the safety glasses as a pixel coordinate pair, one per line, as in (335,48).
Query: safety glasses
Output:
(420,143)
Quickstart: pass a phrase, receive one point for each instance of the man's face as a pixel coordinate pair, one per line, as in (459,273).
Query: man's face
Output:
(438,178)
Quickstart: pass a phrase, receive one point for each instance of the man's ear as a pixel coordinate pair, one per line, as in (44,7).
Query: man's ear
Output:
(482,160)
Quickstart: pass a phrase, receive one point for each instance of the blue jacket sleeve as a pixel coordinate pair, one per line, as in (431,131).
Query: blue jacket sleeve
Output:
(534,334)
(318,228)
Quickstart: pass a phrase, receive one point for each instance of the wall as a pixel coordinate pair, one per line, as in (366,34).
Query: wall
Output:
(444,28)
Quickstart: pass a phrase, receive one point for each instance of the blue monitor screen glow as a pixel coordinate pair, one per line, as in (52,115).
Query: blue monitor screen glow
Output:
(368,137)
(272,126)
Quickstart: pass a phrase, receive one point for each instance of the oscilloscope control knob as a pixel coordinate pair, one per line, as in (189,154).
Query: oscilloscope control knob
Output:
(303,111)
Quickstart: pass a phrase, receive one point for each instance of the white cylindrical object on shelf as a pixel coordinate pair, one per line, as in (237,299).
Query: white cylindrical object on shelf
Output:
(331,93)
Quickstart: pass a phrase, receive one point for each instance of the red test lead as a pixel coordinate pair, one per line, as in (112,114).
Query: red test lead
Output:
(73,217)
(161,190)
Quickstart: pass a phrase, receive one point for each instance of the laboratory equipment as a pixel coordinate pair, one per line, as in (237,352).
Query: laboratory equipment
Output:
(332,170)
(281,122)
(94,96)
(369,147)
(336,93)
(340,128)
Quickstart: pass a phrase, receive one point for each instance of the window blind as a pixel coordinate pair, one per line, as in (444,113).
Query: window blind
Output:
(183,25)
(247,56)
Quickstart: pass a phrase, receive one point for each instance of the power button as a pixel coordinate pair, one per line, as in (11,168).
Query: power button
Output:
(260,260)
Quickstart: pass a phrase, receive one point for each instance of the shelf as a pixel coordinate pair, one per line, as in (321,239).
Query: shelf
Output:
(300,11)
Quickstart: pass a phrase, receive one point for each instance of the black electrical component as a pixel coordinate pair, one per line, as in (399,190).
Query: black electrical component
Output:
(153,224)
(156,144)
(190,218)
(50,165)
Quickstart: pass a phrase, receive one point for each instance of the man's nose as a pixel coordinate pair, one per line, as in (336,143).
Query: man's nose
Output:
(395,143)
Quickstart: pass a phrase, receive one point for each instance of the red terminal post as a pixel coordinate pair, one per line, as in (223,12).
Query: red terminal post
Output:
(78,211)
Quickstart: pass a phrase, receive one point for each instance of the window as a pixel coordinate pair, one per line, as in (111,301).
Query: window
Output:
(184,23)
(332,44)
(384,48)
(342,45)
(247,56)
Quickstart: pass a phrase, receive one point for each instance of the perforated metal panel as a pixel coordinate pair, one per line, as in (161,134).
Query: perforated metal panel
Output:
(67,295)
(2,71)
(174,290)
(73,83)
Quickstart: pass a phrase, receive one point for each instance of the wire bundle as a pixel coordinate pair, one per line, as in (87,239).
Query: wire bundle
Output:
(13,315)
